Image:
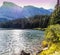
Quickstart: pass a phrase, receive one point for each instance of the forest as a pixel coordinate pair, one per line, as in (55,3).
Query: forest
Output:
(38,21)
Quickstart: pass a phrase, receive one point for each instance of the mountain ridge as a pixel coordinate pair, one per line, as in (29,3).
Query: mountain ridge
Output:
(13,11)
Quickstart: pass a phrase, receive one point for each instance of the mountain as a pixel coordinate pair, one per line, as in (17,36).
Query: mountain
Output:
(3,20)
(51,10)
(32,11)
(12,11)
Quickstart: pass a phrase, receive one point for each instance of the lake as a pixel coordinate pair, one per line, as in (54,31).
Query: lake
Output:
(13,41)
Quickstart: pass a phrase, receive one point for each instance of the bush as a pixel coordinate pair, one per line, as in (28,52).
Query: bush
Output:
(53,33)
(53,39)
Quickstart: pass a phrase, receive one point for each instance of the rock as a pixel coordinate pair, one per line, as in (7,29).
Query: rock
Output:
(45,48)
(39,52)
(24,53)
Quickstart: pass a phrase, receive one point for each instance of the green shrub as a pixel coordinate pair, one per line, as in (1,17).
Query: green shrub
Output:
(52,36)
(55,17)
(53,33)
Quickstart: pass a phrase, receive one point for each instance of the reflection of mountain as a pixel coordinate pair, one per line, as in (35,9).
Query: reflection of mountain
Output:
(12,11)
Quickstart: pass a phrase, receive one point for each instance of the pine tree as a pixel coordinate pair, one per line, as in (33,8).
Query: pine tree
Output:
(55,17)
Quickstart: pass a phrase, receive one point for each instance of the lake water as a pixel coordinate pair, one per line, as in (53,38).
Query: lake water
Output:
(13,41)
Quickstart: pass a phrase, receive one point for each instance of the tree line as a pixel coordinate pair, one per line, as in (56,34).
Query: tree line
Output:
(38,21)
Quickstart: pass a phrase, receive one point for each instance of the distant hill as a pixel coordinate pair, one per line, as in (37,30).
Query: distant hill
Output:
(51,10)
(32,11)
(12,11)
(3,19)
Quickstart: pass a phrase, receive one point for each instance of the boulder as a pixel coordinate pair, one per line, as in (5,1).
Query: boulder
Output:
(24,53)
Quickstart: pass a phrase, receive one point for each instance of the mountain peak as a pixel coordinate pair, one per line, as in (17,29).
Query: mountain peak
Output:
(5,3)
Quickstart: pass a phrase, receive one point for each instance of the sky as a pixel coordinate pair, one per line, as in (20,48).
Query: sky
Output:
(47,4)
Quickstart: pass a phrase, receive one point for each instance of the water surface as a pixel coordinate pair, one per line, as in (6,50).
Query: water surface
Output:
(13,41)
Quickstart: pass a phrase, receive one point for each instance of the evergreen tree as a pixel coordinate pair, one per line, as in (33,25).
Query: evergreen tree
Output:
(55,17)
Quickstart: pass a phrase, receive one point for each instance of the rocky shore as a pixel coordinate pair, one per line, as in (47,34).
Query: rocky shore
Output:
(42,47)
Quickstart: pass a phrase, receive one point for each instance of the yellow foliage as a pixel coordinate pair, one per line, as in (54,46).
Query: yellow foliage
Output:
(53,40)
(53,32)
(44,43)
(50,50)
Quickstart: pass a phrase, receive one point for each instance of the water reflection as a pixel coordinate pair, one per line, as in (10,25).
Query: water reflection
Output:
(13,41)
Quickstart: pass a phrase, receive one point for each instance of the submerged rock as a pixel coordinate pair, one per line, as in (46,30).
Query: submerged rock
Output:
(24,53)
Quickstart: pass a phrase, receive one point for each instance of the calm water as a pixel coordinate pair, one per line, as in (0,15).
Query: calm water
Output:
(13,41)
